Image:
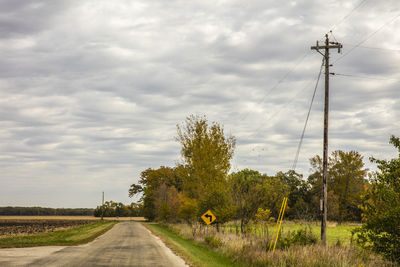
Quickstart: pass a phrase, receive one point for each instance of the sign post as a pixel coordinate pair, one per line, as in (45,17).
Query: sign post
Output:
(208,217)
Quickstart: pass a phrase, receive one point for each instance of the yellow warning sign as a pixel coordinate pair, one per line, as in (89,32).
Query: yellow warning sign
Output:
(208,217)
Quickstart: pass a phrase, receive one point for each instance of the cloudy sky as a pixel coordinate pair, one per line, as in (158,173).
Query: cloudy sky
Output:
(91,90)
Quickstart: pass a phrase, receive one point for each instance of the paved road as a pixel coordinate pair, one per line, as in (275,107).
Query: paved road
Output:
(126,244)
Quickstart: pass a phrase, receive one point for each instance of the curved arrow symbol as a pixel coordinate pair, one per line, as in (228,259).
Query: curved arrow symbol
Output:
(209,216)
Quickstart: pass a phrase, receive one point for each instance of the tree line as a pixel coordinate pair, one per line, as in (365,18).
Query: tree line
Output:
(39,211)
(118,209)
(202,181)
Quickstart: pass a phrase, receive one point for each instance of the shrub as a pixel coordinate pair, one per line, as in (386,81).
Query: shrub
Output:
(301,237)
(189,210)
(381,212)
(213,241)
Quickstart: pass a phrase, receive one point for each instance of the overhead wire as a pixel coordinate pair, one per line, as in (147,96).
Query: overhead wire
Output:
(363,77)
(348,14)
(284,106)
(308,116)
(374,48)
(278,82)
(368,37)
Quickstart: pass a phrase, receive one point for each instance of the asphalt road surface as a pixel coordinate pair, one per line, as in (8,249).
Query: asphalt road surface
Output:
(126,244)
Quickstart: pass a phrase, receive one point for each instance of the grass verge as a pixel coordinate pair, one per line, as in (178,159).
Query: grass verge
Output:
(195,254)
(251,250)
(73,236)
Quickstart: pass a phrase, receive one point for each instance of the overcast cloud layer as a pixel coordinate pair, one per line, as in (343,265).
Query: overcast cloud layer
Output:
(91,91)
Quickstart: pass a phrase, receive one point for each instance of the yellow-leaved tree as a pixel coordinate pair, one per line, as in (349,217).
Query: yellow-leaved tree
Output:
(206,154)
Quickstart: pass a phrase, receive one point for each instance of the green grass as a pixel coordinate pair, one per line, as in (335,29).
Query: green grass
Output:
(195,253)
(73,236)
(333,233)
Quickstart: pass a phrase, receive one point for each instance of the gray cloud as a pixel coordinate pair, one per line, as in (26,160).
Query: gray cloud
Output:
(91,91)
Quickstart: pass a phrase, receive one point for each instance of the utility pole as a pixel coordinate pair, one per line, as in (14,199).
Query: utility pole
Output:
(102,206)
(328,45)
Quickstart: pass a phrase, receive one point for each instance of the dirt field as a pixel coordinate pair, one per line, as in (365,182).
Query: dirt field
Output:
(19,227)
(138,219)
(23,225)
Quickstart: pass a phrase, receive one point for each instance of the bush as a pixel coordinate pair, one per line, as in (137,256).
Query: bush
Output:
(213,241)
(381,212)
(300,237)
(189,210)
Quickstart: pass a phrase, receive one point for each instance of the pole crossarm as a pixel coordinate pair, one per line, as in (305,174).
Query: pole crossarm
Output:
(329,47)
(333,45)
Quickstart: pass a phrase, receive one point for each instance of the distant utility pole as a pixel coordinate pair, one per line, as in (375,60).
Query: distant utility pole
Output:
(102,206)
(328,45)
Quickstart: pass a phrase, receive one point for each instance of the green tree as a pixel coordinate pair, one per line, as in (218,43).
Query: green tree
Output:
(275,190)
(188,210)
(252,190)
(248,194)
(299,194)
(315,181)
(167,203)
(135,209)
(348,180)
(149,183)
(217,200)
(381,212)
(112,209)
(346,183)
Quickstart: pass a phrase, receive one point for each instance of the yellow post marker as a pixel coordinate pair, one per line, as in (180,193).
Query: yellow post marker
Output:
(279,228)
(277,223)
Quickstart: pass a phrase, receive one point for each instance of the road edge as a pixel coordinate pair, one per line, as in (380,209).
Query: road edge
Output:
(169,246)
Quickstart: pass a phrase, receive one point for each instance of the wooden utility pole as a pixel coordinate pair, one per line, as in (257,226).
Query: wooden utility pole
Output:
(328,45)
(102,206)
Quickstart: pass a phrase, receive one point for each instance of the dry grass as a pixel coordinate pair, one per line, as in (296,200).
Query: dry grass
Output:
(139,219)
(253,251)
(315,255)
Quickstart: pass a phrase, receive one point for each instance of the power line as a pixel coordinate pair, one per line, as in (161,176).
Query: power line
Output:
(279,82)
(368,37)
(363,77)
(375,48)
(280,109)
(348,14)
(308,116)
